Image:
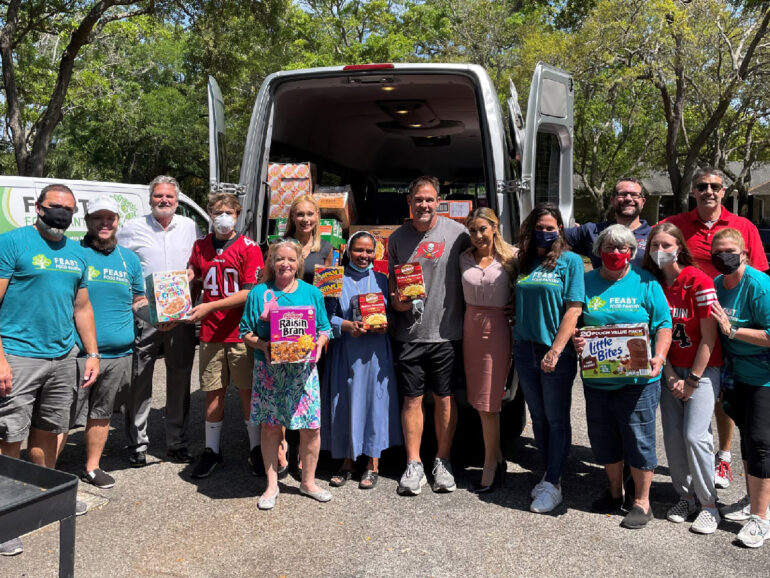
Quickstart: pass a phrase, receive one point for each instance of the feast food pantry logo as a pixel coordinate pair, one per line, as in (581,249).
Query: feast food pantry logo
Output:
(93,273)
(41,261)
(596,303)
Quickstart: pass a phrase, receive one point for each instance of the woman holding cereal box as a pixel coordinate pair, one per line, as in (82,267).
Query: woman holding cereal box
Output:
(285,323)
(363,409)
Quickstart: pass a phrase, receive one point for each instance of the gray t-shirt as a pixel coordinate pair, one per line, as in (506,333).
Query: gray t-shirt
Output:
(438,251)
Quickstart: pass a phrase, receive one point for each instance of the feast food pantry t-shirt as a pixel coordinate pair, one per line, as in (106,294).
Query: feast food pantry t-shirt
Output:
(636,298)
(44,277)
(542,296)
(748,305)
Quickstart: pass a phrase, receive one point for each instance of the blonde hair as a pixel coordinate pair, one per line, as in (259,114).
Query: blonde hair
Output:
(291,228)
(503,250)
(732,235)
(272,252)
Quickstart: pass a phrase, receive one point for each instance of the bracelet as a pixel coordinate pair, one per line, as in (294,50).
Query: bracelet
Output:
(733,331)
(93,355)
(694,382)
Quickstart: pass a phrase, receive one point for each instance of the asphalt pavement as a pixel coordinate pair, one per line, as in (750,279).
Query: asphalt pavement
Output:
(157,521)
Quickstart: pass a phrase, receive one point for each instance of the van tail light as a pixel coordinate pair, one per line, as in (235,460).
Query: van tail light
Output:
(381,66)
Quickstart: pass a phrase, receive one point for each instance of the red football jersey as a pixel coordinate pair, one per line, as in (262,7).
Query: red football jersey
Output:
(690,299)
(224,272)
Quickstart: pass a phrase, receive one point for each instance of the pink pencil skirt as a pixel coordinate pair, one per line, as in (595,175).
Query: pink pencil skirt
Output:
(486,355)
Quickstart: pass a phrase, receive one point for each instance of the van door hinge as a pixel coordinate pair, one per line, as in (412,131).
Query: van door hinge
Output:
(513,186)
(233,189)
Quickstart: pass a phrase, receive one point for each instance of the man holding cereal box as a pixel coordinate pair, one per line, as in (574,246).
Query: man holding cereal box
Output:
(426,294)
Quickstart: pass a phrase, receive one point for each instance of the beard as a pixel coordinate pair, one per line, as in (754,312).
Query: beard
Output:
(636,212)
(101,245)
(163,213)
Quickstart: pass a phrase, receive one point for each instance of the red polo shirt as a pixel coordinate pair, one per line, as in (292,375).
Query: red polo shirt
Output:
(698,237)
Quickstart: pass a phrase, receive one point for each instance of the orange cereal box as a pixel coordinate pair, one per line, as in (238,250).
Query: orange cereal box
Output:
(329,280)
(292,335)
(409,282)
(372,306)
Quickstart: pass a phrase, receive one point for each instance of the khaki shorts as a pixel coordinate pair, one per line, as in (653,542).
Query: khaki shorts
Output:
(221,363)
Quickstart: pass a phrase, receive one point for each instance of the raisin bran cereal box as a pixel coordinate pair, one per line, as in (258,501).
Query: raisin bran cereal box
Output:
(409,282)
(168,293)
(292,335)
(614,351)
(329,280)
(372,306)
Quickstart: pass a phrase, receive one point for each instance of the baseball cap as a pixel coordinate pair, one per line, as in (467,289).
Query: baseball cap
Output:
(102,204)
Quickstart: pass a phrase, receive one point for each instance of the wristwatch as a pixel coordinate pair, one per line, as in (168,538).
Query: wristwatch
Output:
(733,331)
(93,355)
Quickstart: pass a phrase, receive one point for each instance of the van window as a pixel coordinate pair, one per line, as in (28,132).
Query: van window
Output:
(547,166)
(188,211)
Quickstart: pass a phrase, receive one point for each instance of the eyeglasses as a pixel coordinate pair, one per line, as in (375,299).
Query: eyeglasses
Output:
(633,196)
(284,240)
(703,187)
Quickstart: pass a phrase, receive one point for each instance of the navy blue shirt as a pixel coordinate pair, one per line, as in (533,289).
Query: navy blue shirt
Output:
(581,239)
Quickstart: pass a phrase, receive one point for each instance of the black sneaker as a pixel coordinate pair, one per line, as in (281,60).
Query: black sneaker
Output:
(98,478)
(180,456)
(206,464)
(636,518)
(256,462)
(138,459)
(606,504)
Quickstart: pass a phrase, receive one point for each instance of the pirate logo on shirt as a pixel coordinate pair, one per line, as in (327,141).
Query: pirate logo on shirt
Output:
(430,250)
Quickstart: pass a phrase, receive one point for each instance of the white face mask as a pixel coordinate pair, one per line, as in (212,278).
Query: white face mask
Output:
(224,224)
(663,258)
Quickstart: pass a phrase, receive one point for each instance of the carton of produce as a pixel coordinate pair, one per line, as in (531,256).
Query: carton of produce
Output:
(409,282)
(292,335)
(372,307)
(168,293)
(328,280)
(613,351)
(337,202)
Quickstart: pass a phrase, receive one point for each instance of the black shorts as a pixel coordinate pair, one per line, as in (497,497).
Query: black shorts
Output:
(750,405)
(427,366)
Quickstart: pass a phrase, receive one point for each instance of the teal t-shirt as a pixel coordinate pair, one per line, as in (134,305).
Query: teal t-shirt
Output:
(305,295)
(748,305)
(113,282)
(636,298)
(542,297)
(36,314)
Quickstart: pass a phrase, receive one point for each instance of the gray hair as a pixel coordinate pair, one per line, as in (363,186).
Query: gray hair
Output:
(618,236)
(165,179)
(701,172)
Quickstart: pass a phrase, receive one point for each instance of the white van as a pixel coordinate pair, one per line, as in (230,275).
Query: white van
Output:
(376,127)
(18,196)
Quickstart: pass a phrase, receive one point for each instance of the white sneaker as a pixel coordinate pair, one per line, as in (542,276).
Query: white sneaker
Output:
(739,511)
(538,488)
(548,498)
(681,511)
(706,522)
(754,533)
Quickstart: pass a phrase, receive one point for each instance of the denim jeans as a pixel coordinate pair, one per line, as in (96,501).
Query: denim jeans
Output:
(549,398)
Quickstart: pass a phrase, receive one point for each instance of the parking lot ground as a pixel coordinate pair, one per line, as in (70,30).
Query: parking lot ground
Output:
(157,521)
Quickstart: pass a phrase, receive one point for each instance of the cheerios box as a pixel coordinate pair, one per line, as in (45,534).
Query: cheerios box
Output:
(168,293)
(409,282)
(613,351)
(292,335)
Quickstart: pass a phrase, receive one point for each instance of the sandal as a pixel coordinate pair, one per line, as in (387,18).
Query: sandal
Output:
(341,478)
(368,480)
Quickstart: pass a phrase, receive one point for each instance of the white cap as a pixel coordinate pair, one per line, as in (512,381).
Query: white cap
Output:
(103,203)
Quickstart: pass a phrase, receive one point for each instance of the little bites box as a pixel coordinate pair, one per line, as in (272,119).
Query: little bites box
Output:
(614,351)
(168,293)
(292,335)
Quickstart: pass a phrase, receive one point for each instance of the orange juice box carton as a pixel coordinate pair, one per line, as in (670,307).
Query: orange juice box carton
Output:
(329,280)
(373,314)
(168,293)
(409,282)
(613,351)
(292,335)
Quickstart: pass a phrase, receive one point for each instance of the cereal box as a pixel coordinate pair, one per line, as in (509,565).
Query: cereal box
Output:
(372,306)
(169,295)
(292,335)
(409,282)
(329,280)
(614,351)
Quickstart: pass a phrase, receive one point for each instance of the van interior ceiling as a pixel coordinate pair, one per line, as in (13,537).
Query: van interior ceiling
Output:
(404,126)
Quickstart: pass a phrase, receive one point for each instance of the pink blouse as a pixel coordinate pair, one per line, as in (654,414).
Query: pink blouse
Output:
(488,287)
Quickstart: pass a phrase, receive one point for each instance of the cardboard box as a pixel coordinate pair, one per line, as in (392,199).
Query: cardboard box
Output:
(292,335)
(168,293)
(336,242)
(287,182)
(373,313)
(329,227)
(337,202)
(329,280)
(613,351)
(455,210)
(409,282)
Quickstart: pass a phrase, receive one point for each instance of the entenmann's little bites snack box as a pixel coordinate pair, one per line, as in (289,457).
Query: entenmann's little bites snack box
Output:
(292,335)
(614,351)
(372,307)
(409,282)
(168,293)
(329,280)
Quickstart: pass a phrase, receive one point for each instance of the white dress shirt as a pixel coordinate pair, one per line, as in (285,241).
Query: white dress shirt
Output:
(160,249)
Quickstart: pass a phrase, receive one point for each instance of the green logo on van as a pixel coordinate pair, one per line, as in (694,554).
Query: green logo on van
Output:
(41,261)
(127,208)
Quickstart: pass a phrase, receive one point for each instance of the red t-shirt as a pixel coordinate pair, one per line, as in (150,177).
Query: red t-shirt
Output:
(690,299)
(698,237)
(224,272)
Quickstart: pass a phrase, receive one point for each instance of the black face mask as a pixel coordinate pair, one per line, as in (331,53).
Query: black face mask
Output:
(56,217)
(726,263)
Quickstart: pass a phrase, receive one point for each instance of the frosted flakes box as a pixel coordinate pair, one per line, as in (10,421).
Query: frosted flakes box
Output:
(292,335)
(613,351)
(409,282)
(168,293)
(329,280)
(372,307)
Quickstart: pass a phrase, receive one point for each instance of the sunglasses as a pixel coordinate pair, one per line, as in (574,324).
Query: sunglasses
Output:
(703,187)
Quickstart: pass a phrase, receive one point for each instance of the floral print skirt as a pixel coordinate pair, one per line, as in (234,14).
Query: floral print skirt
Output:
(286,394)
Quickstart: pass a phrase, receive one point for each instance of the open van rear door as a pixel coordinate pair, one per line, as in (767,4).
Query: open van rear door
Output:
(217,151)
(546,147)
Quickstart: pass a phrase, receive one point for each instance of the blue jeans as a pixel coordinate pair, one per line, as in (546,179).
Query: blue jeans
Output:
(549,398)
